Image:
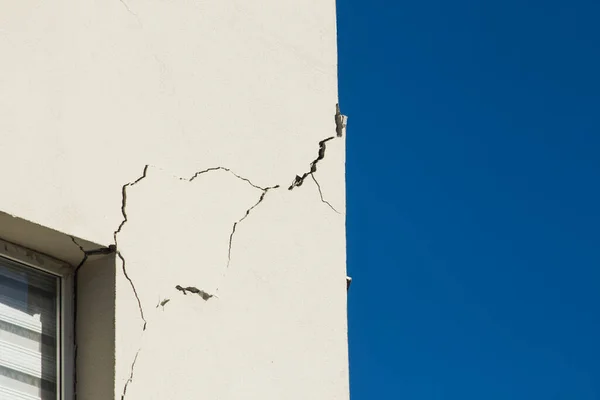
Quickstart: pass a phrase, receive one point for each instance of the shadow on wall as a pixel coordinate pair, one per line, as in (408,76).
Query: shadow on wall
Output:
(95,329)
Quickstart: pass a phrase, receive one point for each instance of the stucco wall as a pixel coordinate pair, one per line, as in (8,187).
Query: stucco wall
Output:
(205,105)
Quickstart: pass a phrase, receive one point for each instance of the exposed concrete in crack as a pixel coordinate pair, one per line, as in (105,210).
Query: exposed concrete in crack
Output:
(299,180)
(321,194)
(205,296)
(341,121)
(248,211)
(340,128)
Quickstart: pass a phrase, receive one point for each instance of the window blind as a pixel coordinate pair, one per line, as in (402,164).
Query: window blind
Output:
(28,333)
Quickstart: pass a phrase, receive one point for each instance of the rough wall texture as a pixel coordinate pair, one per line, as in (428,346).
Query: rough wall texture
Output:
(192,135)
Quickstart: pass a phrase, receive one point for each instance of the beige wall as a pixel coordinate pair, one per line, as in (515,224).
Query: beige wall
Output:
(96,94)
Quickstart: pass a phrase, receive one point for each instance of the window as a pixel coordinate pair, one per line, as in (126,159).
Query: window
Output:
(34,323)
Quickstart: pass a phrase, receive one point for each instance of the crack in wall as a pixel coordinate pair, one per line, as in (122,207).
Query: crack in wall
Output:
(197,174)
(299,180)
(124,267)
(340,128)
(129,9)
(248,211)
(86,254)
(205,296)
(116,233)
(321,194)
(130,379)
(133,288)
(340,122)
(74,297)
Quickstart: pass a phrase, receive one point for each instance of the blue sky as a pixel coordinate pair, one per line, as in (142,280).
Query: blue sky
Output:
(473,198)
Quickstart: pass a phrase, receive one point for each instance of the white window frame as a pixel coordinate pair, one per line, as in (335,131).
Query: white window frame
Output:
(65,323)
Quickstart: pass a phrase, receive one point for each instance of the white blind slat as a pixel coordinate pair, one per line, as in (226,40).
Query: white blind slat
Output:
(28,321)
(10,311)
(27,361)
(9,394)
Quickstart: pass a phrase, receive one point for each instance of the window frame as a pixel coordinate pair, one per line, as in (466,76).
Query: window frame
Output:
(65,319)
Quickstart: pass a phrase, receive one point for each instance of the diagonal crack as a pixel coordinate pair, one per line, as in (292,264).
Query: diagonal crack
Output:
(129,10)
(321,194)
(130,379)
(85,255)
(248,211)
(299,180)
(340,128)
(248,181)
(133,288)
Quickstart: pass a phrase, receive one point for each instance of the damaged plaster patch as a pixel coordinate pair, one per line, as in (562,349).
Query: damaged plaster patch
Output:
(162,303)
(341,121)
(205,296)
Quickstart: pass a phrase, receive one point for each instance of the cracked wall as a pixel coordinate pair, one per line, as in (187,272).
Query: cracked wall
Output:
(266,289)
(233,286)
